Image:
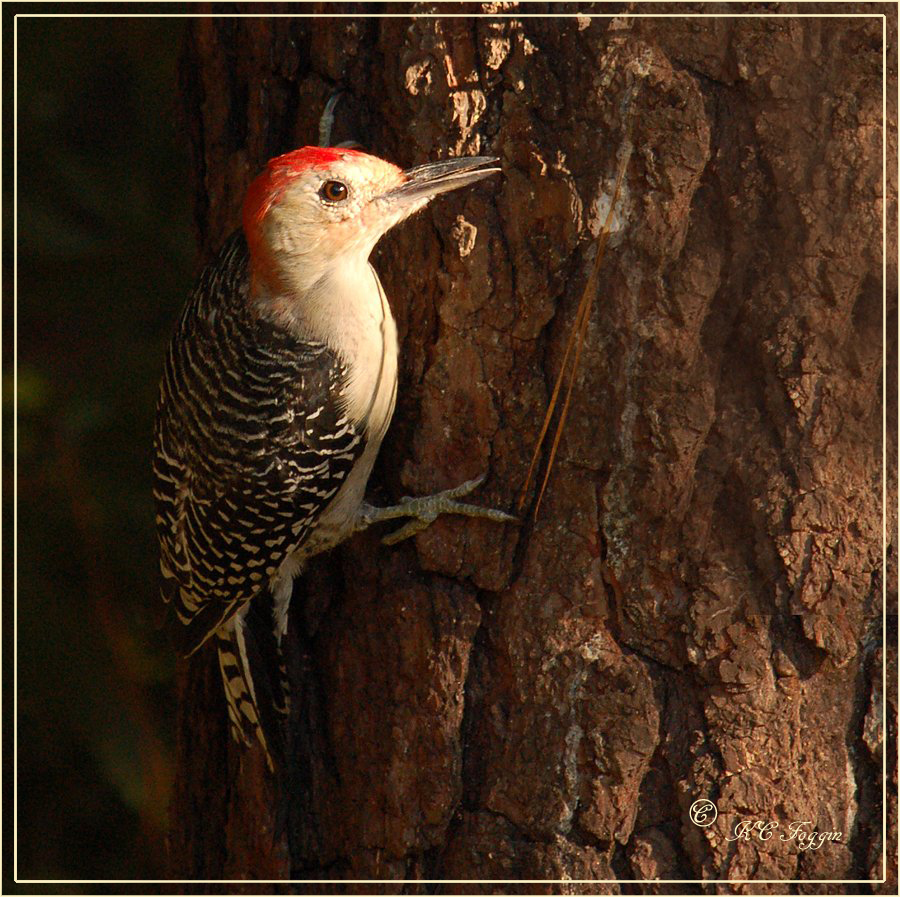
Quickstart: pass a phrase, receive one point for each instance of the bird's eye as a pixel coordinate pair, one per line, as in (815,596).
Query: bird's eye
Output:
(334,191)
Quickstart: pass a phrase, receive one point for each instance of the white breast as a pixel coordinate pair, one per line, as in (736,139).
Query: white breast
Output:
(372,389)
(352,314)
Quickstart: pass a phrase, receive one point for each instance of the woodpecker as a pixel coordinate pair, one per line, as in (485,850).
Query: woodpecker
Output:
(279,385)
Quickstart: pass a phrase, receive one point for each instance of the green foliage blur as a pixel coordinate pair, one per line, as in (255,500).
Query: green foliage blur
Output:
(105,259)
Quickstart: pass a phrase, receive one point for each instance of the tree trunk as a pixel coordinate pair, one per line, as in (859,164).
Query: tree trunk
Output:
(696,613)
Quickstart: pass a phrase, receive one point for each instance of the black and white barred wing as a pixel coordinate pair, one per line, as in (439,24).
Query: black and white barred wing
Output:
(251,446)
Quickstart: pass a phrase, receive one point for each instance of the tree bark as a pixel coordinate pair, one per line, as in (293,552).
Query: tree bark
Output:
(696,613)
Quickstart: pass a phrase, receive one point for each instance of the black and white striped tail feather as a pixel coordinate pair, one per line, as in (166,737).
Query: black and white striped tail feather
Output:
(255,680)
(240,693)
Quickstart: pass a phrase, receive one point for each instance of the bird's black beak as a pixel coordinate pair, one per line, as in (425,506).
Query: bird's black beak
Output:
(433,178)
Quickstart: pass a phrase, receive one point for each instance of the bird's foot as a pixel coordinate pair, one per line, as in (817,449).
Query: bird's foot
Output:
(326,123)
(425,510)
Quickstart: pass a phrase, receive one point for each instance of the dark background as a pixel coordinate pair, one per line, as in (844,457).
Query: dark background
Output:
(105,258)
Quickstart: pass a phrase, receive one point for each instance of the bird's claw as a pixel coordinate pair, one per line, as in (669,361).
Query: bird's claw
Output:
(424,510)
(326,122)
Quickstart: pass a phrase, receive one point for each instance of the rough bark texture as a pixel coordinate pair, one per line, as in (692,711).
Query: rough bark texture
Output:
(696,612)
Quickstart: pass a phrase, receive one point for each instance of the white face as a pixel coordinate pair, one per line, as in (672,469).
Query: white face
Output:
(335,212)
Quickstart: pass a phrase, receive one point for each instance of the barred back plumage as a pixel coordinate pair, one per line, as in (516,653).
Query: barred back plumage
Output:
(241,474)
